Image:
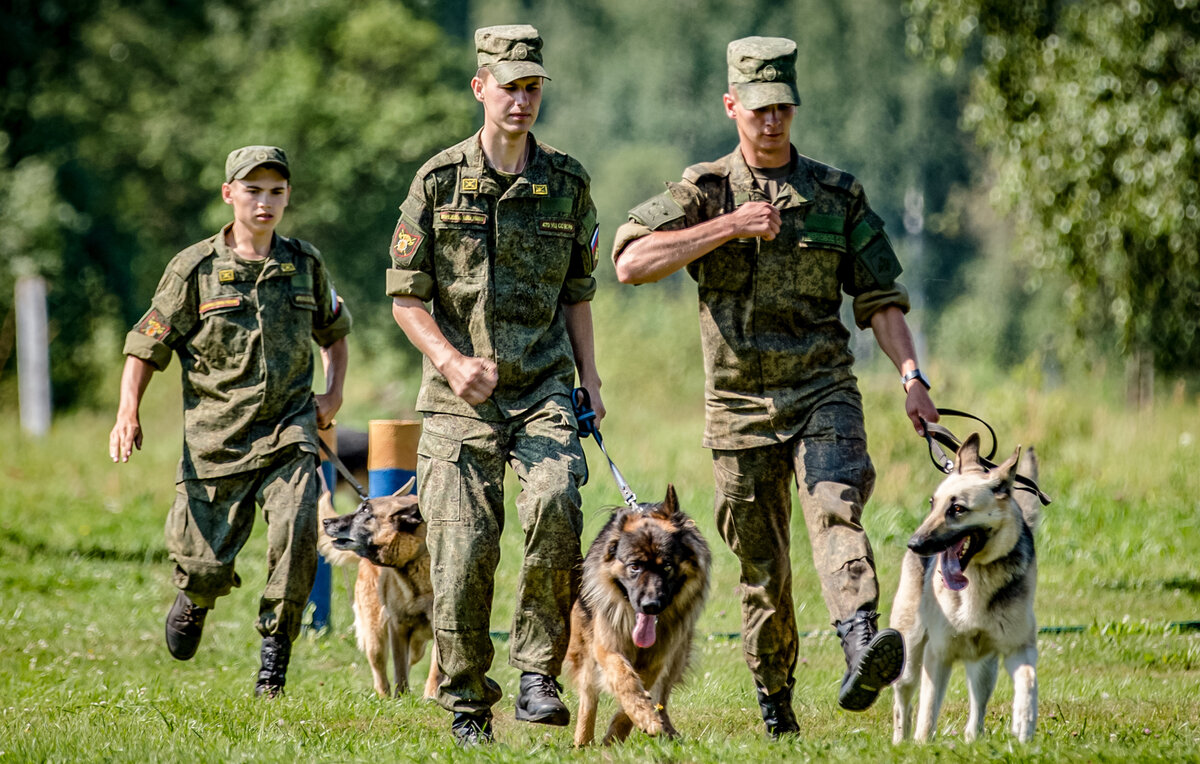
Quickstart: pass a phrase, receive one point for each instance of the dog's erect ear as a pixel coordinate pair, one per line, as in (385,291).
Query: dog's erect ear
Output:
(968,456)
(407,518)
(404,489)
(1004,475)
(670,503)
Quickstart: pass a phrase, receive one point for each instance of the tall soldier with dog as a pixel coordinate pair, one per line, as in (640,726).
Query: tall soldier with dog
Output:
(241,310)
(498,234)
(773,239)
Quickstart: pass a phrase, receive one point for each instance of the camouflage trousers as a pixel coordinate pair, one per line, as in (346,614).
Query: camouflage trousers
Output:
(829,462)
(460,474)
(211,520)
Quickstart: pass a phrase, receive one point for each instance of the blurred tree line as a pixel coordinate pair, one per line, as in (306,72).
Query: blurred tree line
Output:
(116,116)
(1088,114)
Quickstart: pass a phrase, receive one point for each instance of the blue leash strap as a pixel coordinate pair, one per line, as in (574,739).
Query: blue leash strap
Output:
(582,403)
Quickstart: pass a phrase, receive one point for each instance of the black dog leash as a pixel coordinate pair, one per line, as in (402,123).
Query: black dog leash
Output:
(582,403)
(937,436)
(341,467)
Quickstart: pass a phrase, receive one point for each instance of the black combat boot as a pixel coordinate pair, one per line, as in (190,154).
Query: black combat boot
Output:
(185,624)
(539,702)
(873,659)
(777,712)
(471,730)
(276,652)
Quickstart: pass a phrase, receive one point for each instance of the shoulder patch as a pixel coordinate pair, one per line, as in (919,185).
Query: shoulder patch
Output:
(154,325)
(697,172)
(406,242)
(657,211)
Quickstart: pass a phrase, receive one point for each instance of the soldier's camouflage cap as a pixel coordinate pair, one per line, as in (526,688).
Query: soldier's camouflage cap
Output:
(241,161)
(510,52)
(762,71)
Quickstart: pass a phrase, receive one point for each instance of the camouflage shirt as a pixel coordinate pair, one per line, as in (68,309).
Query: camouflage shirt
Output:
(241,329)
(498,266)
(774,344)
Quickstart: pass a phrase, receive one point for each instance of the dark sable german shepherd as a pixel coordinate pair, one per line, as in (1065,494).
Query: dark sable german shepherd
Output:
(966,594)
(393,596)
(645,579)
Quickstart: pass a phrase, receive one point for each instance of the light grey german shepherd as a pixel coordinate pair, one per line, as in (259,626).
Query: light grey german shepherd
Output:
(966,594)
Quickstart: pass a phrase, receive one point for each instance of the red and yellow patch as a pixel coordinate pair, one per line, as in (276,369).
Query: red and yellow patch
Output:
(405,242)
(220,302)
(153,325)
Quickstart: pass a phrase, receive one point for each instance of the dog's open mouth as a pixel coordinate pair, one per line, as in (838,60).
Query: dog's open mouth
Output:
(644,630)
(343,544)
(955,558)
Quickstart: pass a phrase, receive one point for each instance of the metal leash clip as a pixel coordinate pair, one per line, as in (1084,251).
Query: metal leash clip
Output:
(581,401)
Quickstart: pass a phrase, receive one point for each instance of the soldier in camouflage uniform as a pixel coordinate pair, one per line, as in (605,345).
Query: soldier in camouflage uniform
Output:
(772,239)
(498,233)
(239,308)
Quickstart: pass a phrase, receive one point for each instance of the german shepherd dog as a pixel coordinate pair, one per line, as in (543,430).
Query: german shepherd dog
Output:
(966,594)
(393,596)
(645,580)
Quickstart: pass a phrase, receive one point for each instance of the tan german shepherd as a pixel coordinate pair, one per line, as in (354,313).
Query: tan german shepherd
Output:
(966,594)
(645,580)
(393,596)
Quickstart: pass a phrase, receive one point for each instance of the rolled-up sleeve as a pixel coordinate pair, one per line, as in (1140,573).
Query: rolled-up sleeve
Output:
(410,273)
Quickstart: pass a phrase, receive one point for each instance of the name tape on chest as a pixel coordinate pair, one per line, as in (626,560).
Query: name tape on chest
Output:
(560,227)
(463,216)
(217,303)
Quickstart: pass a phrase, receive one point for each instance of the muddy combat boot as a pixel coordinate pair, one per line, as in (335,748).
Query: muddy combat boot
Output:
(276,651)
(874,659)
(185,624)
(777,712)
(539,702)
(471,730)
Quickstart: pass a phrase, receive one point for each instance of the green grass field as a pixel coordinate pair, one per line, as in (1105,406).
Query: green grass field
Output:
(85,584)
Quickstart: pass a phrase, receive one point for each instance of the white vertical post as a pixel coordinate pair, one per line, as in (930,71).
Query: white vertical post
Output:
(33,355)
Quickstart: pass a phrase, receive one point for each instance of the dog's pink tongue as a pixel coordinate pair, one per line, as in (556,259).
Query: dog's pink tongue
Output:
(952,573)
(643,630)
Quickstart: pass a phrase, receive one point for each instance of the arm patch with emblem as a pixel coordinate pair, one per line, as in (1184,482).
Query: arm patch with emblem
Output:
(406,243)
(657,211)
(153,325)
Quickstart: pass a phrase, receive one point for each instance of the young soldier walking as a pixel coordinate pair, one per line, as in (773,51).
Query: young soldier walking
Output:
(241,310)
(498,235)
(772,239)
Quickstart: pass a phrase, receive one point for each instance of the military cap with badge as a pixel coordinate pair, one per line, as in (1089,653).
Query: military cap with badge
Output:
(762,71)
(241,162)
(510,52)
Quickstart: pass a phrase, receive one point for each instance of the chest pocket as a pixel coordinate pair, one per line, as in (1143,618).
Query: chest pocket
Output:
(821,248)
(228,319)
(729,268)
(302,292)
(461,233)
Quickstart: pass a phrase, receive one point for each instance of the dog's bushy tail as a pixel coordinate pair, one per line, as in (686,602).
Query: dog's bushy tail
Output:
(332,555)
(1031,508)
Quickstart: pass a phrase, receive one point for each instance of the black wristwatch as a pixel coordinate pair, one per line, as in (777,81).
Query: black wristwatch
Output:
(917,375)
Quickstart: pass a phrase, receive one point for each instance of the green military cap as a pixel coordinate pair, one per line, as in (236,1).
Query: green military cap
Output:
(241,161)
(762,71)
(510,52)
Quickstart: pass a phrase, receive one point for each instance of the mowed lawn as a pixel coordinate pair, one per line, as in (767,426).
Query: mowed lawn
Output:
(85,584)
